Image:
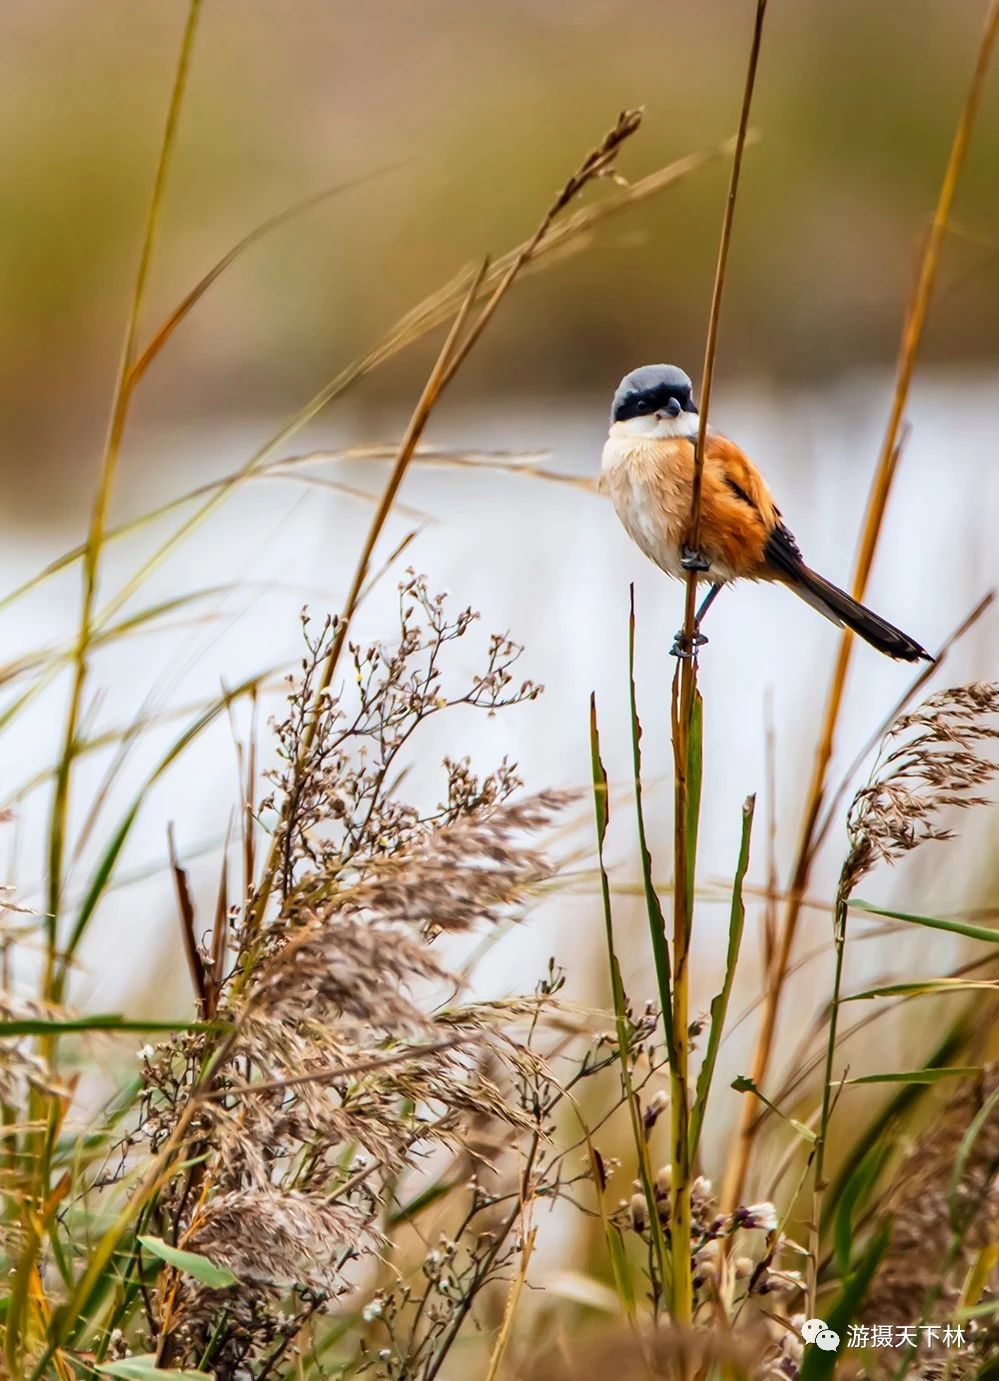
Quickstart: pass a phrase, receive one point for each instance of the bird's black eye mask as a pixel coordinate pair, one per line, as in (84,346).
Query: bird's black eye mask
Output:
(641,404)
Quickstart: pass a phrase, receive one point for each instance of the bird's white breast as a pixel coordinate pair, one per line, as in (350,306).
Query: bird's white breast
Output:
(650,496)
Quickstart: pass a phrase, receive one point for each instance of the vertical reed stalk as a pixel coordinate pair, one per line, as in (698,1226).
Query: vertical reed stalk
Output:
(121,399)
(881,484)
(819,1183)
(686,715)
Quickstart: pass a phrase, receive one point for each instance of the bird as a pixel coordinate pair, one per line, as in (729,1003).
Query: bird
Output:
(647,468)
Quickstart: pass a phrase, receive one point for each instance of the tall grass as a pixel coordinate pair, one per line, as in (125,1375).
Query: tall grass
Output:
(340,1160)
(881,486)
(106,1232)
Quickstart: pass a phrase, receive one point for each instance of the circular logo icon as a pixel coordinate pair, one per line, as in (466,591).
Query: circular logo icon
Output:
(827,1340)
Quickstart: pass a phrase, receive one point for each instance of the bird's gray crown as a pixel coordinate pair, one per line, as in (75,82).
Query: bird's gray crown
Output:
(649,387)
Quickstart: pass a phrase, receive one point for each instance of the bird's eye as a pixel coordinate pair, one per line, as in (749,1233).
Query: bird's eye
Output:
(643,406)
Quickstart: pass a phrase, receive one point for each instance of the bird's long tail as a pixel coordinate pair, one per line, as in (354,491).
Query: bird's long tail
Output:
(842,609)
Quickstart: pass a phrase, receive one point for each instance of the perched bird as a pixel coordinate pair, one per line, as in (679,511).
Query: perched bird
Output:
(648,466)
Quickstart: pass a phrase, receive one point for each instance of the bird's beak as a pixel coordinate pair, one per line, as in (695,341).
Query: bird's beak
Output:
(672,409)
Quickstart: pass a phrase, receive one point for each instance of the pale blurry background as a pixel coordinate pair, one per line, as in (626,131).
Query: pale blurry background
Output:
(472,115)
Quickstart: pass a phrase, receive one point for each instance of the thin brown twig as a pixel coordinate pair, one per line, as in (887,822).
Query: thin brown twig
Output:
(884,475)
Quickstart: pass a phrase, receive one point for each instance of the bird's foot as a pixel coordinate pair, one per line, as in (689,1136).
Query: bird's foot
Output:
(694,560)
(684,647)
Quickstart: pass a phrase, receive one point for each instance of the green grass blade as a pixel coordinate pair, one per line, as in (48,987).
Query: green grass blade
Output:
(601,805)
(853,1198)
(896,1108)
(926,986)
(919,1076)
(616,1252)
(695,765)
(144,1368)
(192,1264)
(657,920)
(102,1021)
(970,932)
(719,1006)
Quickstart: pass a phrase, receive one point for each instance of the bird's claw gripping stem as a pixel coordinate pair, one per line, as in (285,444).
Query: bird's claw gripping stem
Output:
(694,560)
(684,648)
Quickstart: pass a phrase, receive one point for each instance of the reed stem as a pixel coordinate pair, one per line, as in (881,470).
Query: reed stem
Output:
(884,475)
(685,704)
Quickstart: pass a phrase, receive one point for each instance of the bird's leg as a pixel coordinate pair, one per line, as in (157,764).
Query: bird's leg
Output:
(681,647)
(707,602)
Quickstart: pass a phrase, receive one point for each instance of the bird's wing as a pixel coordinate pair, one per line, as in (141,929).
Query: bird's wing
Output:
(734,468)
(738,513)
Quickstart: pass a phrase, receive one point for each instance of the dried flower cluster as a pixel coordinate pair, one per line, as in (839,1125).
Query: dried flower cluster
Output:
(335,794)
(710,1229)
(932,759)
(351,1058)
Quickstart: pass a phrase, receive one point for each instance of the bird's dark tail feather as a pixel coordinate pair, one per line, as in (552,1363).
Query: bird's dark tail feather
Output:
(842,609)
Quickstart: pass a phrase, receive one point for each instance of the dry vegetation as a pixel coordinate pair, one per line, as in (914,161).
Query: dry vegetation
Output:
(343,1161)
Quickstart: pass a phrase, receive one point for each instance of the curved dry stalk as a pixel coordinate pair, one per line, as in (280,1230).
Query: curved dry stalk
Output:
(109,465)
(191,299)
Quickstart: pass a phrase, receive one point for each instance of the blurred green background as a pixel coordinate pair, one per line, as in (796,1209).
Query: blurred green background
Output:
(476,112)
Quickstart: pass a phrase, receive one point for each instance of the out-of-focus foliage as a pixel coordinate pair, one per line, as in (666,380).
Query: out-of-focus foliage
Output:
(476,109)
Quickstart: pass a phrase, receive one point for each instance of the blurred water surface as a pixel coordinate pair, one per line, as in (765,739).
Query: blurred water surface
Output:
(550,563)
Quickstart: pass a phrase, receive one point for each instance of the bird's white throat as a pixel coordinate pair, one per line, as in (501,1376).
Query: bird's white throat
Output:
(653,427)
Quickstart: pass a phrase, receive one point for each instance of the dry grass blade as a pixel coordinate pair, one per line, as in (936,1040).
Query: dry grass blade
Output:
(512,1300)
(344,1071)
(109,465)
(163,333)
(877,502)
